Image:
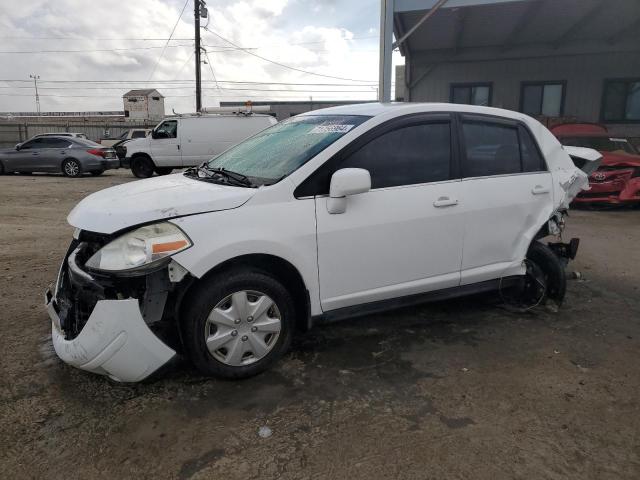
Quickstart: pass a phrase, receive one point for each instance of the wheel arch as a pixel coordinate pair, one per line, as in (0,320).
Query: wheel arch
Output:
(275,266)
(142,154)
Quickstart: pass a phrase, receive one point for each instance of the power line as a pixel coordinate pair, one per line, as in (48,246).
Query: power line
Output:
(176,81)
(283,65)
(91,50)
(168,39)
(206,54)
(258,89)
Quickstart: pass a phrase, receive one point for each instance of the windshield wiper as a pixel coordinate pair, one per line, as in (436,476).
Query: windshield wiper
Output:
(205,172)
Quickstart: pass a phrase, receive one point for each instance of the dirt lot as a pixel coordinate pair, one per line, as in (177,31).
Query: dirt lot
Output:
(461,389)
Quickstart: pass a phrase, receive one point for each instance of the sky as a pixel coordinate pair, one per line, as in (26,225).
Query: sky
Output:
(89,53)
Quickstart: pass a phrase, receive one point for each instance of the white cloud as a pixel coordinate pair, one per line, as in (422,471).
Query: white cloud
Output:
(303,34)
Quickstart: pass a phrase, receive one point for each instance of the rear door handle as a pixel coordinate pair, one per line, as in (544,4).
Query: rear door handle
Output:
(539,190)
(445,202)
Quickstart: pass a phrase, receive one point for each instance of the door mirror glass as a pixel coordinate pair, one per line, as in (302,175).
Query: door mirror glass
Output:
(344,183)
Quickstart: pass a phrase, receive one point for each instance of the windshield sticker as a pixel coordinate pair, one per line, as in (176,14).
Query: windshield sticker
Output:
(619,140)
(331,129)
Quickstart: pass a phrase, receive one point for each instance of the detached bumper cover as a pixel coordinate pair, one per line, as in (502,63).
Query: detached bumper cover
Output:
(115,342)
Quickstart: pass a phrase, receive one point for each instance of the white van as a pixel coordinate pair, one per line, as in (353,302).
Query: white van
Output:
(185,141)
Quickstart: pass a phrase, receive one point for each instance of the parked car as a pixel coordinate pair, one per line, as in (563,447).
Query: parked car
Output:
(128,135)
(330,214)
(72,156)
(185,141)
(62,134)
(617,181)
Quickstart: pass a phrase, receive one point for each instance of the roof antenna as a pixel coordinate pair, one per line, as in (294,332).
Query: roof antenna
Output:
(174,112)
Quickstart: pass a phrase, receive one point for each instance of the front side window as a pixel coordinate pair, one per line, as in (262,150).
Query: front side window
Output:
(33,144)
(406,156)
(471,94)
(621,101)
(281,149)
(542,98)
(138,134)
(168,129)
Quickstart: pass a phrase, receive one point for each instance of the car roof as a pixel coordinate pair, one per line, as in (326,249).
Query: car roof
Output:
(401,108)
(60,134)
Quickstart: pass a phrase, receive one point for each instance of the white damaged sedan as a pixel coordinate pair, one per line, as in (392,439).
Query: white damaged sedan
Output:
(334,213)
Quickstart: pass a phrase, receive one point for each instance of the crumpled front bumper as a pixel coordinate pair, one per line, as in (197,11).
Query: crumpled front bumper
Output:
(115,341)
(98,324)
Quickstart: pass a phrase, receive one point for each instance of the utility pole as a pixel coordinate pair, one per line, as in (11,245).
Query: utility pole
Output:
(35,83)
(198,10)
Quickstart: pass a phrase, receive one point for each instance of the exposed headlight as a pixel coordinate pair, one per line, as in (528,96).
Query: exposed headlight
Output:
(141,247)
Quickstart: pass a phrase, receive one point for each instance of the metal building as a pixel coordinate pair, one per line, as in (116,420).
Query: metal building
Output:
(144,104)
(557,60)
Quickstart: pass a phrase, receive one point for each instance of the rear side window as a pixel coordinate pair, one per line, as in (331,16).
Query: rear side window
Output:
(492,149)
(406,156)
(499,149)
(532,160)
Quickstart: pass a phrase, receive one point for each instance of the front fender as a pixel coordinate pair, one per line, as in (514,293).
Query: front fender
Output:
(285,229)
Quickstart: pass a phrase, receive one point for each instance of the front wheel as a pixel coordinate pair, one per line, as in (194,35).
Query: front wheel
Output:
(71,168)
(142,167)
(237,325)
(164,170)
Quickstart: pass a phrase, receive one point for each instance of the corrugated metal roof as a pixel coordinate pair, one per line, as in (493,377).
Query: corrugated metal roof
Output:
(144,92)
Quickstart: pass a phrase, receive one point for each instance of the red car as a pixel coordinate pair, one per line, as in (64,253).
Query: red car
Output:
(617,181)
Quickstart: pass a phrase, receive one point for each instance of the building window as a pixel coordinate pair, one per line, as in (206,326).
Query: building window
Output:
(471,93)
(155,98)
(621,101)
(542,98)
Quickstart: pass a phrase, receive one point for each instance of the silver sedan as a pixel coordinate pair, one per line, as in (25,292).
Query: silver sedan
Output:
(69,156)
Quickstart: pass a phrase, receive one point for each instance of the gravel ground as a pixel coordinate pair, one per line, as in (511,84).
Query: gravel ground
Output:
(460,389)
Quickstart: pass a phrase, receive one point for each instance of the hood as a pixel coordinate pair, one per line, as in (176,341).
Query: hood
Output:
(158,198)
(612,159)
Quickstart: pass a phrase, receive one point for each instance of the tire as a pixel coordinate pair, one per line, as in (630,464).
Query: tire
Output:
(142,167)
(542,261)
(97,173)
(71,168)
(164,170)
(235,355)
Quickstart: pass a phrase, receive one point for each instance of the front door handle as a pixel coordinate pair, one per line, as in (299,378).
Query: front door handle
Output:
(539,190)
(445,202)
(35,153)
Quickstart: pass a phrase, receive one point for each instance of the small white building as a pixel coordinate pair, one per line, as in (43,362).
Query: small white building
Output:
(143,104)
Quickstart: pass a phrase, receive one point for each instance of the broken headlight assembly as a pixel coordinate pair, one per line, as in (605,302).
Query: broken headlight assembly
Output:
(142,248)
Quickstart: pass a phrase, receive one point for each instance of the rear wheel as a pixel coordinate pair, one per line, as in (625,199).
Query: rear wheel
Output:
(142,167)
(71,168)
(164,170)
(237,325)
(545,278)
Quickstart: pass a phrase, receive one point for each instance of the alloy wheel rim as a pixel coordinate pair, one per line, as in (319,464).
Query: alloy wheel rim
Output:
(71,169)
(243,328)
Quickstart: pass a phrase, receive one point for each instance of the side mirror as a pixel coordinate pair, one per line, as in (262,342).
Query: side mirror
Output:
(18,145)
(344,183)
